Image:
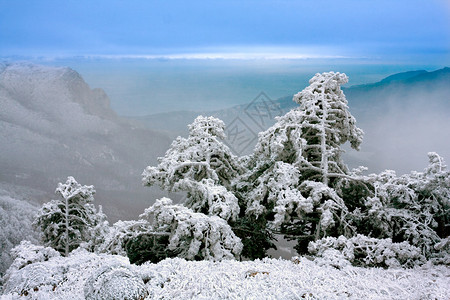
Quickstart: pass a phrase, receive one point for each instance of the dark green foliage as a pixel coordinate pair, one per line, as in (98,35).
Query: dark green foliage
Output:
(302,230)
(354,192)
(255,236)
(302,244)
(145,247)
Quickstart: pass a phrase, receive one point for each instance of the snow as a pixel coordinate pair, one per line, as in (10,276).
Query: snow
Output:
(194,234)
(80,275)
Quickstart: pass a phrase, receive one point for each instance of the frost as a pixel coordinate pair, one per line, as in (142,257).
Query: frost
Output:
(84,275)
(194,235)
(364,251)
(68,222)
(203,166)
(114,282)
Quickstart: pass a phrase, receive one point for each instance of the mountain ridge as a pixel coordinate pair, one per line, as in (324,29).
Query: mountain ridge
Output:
(53,125)
(284,102)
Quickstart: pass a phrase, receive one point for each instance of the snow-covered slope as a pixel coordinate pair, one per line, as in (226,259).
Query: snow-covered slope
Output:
(53,125)
(86,275)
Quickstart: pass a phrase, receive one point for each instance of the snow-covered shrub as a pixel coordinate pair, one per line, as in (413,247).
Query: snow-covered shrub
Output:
(114,282)
(193,235)
(42,273)
(137,240)
(413,207)
(119,234)
(361,250)
(260,279)
(27,253)
(33,278)
(68,222)
(26,273)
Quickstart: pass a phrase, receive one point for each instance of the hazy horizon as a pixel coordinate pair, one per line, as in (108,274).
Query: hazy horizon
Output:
(143,86)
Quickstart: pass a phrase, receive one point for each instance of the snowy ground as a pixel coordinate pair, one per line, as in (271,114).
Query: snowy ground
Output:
(86,275)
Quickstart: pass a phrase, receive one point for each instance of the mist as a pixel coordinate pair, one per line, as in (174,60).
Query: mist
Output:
(139,87)
(402,123)
(399,136)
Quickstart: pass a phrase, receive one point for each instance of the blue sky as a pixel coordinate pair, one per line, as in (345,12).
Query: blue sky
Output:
(382,29)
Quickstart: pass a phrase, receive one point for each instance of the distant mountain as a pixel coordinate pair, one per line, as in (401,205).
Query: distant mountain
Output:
(405,112)
(402,85)
(53,125)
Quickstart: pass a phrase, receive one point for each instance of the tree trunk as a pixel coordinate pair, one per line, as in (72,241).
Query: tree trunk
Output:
(67,228)
(323,139)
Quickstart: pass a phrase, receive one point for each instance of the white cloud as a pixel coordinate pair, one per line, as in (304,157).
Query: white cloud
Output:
(241,53)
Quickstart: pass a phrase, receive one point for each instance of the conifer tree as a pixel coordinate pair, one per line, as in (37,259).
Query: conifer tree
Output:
(67,222)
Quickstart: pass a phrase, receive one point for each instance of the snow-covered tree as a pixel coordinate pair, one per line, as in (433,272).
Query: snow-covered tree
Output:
(118,235)
(69,221)
(297,163)
(296,182)
(310,136)
(193,235)
(414,207)
(203,166)
(327,124)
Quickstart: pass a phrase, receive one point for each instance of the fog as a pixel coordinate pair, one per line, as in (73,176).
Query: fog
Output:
(399,135)
(139,87)
(401,126)
(402,122)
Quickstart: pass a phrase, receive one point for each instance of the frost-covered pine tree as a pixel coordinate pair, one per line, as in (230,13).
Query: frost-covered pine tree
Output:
(310,136)
(136,239)
(67,222)
(203,166)
(297,163)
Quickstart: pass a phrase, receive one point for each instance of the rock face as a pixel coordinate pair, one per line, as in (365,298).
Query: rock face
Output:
(53,125)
